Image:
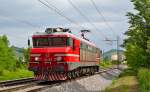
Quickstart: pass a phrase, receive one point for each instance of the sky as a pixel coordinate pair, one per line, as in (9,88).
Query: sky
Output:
(20,19)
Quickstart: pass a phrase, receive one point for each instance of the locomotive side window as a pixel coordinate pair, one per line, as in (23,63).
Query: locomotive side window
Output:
(69,42)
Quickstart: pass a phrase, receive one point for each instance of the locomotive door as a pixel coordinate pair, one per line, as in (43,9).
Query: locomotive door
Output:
(76,49)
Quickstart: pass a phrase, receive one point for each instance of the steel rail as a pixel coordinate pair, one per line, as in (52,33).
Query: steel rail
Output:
(57,83)
(16,81)
(19,87)
(35,86)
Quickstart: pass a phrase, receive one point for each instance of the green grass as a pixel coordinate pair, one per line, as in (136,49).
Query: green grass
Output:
(19,73)
(128,72)
(105,64)
(126,82)
(144,80)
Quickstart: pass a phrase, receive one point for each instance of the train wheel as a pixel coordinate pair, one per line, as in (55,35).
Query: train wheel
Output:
(77,73)
(73,74)
(96,69)
(80,71)
(69,75)
(92,70)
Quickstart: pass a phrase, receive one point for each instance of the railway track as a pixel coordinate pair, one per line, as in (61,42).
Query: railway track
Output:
(57,83)
(16,82)
(13,85)
(32,85)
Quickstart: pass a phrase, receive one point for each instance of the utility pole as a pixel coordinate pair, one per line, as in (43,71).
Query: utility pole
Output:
(117,45)
(118,56)
(103,55)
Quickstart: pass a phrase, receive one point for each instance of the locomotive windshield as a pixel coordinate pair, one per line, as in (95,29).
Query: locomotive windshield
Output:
(52,42)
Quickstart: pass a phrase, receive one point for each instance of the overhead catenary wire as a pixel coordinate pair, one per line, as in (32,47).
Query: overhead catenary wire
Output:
(20,20)
(4,15)
(101,15)
(52,7)
(86,18)
(58,11)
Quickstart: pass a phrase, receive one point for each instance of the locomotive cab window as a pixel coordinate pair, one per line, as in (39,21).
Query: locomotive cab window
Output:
(52,42)
(40,42)
(58,41)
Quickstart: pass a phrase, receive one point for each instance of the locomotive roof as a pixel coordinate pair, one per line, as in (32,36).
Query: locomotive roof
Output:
(63,34)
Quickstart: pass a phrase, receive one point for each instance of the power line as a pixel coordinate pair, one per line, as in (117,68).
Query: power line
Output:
(59,12)
(86,18)
(20,21)
(100,13)
(77,9)
(52,7)
(2,14)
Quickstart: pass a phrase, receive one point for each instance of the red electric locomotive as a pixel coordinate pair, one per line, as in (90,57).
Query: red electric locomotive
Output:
(59,55)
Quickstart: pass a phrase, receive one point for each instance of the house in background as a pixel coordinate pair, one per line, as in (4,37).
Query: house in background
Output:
(112,55)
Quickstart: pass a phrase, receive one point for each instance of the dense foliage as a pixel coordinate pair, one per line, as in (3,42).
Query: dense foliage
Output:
(11,66)
(7,58)
(26,54)
(144,80)
(137,43)
(105,64)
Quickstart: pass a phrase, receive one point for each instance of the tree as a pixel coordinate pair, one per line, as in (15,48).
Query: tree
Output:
(137,43)
(7,57)
(26,53)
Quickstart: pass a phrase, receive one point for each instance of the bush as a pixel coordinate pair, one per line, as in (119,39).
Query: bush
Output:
(106,64)
(116,62)
(144,80)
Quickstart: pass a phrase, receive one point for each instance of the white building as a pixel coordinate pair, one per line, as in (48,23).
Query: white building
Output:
(115,57)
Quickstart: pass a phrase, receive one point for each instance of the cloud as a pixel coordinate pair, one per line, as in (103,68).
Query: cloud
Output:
(35,13)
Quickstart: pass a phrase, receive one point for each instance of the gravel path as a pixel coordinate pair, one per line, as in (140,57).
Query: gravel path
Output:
(94,83)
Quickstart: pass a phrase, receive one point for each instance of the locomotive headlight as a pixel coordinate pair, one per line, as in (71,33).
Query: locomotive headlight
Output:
(58,58)
(36,58)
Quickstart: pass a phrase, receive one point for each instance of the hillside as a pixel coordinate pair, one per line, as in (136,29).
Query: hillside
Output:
(107,55)
(18,51)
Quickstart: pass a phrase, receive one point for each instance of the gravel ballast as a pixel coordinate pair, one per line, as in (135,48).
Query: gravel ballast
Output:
(94,83)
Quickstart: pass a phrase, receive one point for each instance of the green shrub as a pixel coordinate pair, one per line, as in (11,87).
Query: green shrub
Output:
(106,64)
(144,80)
(116,62)
(128,72)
